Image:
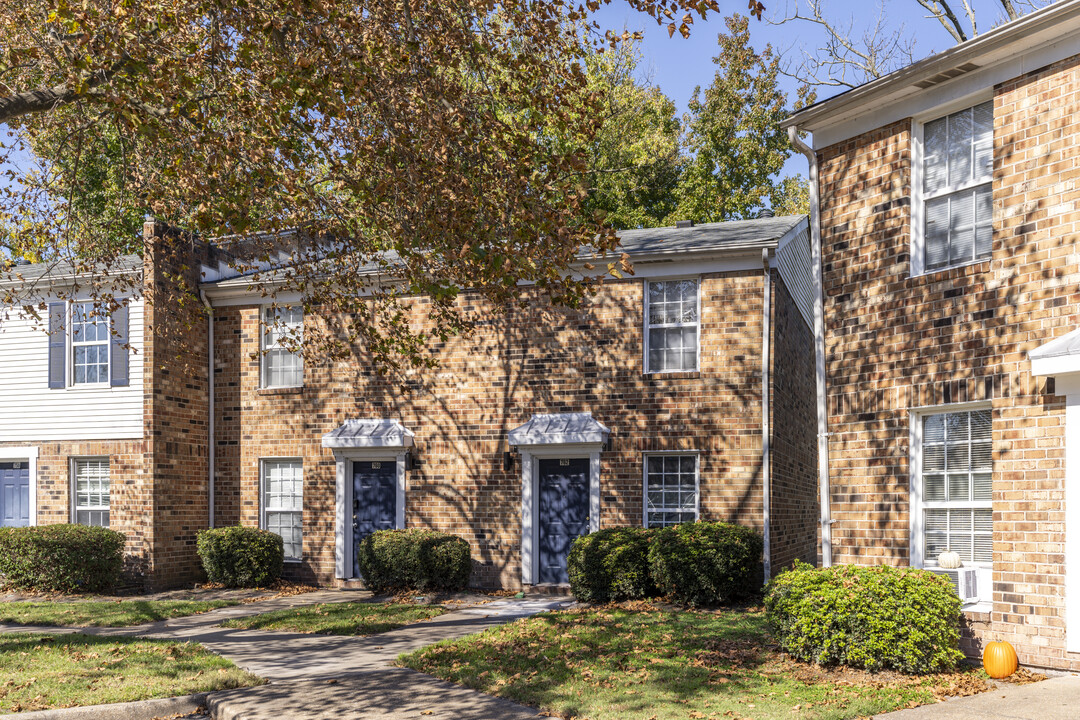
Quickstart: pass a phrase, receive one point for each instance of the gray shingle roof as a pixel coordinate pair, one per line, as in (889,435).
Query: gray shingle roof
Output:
(731,235)
(63,270)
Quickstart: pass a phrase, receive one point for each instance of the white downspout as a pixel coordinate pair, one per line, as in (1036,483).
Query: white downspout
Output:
(766,433)
(210,420)
(819,346)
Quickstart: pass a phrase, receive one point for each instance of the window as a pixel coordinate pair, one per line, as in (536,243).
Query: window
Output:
(282,367)
(91,481)
(672,318)
(957,170)
(283,503)
(671,489)
(89,344)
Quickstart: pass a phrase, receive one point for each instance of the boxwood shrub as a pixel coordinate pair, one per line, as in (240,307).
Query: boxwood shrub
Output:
(611,565)
(414,559)
(241,556)
(61,558)
(876,618)
(706,563)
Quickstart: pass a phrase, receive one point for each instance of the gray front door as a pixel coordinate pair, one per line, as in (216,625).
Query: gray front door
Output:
(563,513)
(374,500)
(14,494)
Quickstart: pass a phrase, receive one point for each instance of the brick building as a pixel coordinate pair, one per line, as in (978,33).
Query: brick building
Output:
(945,210)
(645,406)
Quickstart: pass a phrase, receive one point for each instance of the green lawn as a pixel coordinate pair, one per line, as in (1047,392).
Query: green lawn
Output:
(643,663)
(106,613)
(38,672)
(347,618)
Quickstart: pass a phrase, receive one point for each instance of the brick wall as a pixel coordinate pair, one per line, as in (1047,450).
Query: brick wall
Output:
(895,343)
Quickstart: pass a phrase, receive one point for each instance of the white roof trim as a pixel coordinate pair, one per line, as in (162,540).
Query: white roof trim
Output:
(559,429)
(1059,356)
(369,434)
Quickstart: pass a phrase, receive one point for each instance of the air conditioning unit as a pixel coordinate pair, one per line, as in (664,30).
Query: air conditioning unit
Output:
(964,580)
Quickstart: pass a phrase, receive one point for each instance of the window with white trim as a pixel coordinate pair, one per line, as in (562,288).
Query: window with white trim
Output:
(90,478)
(956,190)
(283,503)
(281,366)
(671,489)
(89,344)
(672,322)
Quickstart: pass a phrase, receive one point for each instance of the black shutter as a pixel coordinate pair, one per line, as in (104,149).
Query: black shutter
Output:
(118,351)
(57,345)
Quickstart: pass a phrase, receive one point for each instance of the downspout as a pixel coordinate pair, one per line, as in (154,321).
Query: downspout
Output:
(766,432)
(210,420)
(819,346)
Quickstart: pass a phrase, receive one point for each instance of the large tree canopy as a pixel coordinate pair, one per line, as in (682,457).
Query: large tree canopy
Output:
(427,137)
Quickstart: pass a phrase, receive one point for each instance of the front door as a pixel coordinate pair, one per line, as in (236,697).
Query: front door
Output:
(563,513)
(374,501)
(14,494)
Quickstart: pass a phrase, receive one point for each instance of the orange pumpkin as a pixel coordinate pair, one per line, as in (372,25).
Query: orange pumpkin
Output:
(999,660)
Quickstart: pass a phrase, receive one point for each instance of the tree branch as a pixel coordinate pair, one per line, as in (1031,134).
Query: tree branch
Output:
(940,10)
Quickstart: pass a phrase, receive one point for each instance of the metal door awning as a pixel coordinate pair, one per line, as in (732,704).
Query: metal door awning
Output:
(369,434)
(559,429)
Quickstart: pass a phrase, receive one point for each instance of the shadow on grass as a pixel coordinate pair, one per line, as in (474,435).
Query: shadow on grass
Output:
(350,618)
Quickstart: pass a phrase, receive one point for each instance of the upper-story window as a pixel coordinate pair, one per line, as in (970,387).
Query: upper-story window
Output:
(672,320)
(89,344)
(956,190)
(281,366)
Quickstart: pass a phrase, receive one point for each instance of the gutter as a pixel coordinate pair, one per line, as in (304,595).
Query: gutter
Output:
(819,347)
(211,454)
(766,431)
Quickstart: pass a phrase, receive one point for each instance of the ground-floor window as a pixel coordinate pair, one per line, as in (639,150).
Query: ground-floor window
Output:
(671,489)
(283,503)
(90,478)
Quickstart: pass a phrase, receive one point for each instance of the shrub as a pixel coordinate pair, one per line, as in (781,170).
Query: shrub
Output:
(414,559)
(241,556)
(611,565)
(61,558)
(867,617)
(706,563)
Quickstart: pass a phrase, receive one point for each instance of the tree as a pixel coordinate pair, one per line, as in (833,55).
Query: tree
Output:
(419,137)
(733,133)
(790,196)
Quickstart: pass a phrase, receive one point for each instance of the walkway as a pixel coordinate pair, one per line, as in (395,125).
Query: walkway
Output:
(1053,699)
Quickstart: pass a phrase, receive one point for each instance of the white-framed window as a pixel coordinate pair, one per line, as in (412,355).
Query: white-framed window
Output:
(672,325)
(952,218)
(671,489)
(283,503)
(281,367)
(90,490)
(952,492)
(89,339)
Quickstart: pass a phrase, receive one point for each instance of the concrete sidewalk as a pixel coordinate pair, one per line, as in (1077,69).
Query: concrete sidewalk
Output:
(1055,699)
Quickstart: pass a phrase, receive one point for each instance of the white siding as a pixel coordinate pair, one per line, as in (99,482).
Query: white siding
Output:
(793,261)
(30,411)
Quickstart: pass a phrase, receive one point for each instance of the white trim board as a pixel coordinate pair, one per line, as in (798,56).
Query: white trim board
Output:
(29,453)
(344,546)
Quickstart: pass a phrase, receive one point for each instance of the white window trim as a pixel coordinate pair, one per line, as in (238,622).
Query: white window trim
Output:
(262,498)
(344,546)
(645,481)
(263,348)
(28,454)
(73,486)
(916,543)
(646,325)
(69,349)
(918,199)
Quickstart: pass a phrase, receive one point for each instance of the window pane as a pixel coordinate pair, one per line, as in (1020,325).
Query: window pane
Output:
(283,503)
(983,140)
(961,227)
(92,492)
(960,131)
(672,489)
(936,235)
(933,488)
(935,166)
(673,325)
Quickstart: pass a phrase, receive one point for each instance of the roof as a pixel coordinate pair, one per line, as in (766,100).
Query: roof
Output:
(368,434)
(559,429)
(64,270)
(1058,356)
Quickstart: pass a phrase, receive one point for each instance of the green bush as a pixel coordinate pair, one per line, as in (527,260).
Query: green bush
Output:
(241,556)
(61,558)
(611,565)
(866,617)
(414,559)
(706,563)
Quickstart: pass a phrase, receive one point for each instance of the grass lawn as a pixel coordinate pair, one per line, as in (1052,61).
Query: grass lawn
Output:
(38,672)
(347,618)
(640,662)
(105,613)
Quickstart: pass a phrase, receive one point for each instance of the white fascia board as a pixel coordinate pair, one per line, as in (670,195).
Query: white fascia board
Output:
(401,441)
(1055,365)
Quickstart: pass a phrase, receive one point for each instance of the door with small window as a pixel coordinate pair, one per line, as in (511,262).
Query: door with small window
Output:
(374,501)
(563,513)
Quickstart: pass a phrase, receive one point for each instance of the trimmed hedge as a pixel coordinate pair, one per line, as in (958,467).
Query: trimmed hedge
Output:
(706,563)
(414,559)
(875,617)
(611,565)
(241,556)
(61,558)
